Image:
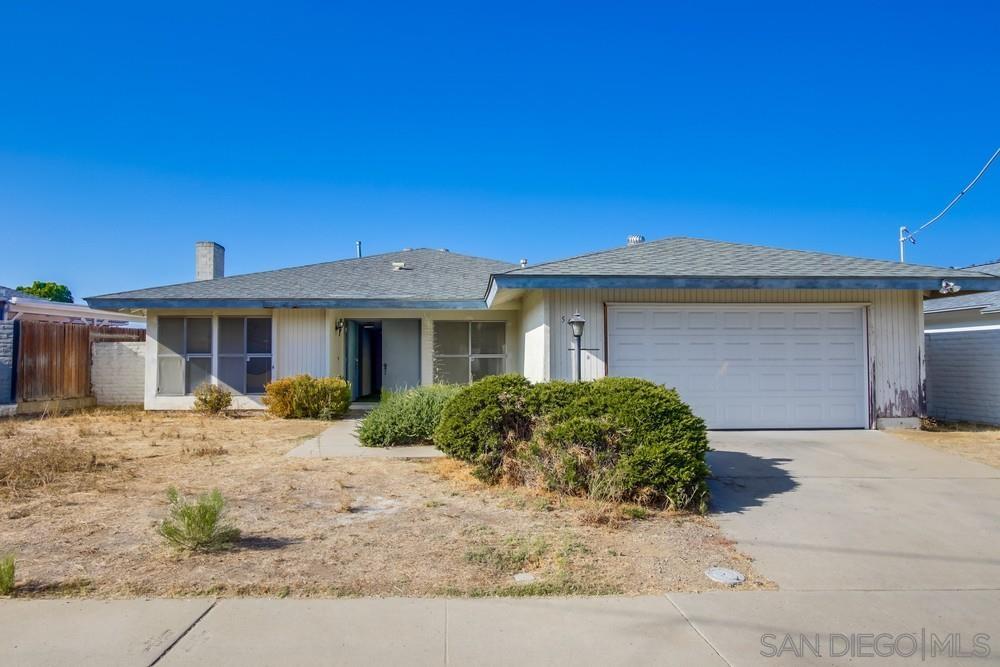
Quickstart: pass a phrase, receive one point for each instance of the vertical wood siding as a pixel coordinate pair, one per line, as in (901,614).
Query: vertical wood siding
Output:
(301,344)
(895,332)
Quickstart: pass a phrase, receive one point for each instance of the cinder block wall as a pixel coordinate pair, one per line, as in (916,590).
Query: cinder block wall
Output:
(117,373)
(7,362)
(963,376)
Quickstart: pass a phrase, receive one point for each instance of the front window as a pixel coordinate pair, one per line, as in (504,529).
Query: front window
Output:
(468,351)
(244,354)
(184,354)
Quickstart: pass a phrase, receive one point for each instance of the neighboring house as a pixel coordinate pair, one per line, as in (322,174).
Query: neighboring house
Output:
(15,305)
(963,355)
(752,337)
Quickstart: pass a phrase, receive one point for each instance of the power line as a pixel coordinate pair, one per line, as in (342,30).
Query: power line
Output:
(906,235)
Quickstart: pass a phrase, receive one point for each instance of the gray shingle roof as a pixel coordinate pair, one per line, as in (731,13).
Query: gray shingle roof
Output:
(429,276)
(987,302)
(680,256)
(8,293)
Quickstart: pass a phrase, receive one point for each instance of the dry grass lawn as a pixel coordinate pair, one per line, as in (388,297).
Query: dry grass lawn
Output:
(80,496)
(977,442)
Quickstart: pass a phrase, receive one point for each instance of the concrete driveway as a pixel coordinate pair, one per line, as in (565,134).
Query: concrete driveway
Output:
(865,534)
(857,510)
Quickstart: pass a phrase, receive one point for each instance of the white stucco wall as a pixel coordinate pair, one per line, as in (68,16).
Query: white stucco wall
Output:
(895,333)
(117,372)
(534,335)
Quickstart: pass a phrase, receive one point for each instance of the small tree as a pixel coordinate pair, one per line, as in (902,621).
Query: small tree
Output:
(48,290)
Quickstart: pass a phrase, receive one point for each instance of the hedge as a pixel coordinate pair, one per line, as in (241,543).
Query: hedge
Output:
(621,439)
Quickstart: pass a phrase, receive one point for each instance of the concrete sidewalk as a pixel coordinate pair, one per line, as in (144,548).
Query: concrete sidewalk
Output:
(716,628)
(340,440)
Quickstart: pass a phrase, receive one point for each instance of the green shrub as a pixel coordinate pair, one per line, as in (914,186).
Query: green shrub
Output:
(406,417)
(663,446)
(306,397)
(7,567)
(482,420)
(618,439)
(211,399)
(198,525)
(547,397)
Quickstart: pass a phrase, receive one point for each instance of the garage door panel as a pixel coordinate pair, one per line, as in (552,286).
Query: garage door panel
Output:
(740,320)
(752,367)
(702,320)
(630,319)
(807,320)
(667,320)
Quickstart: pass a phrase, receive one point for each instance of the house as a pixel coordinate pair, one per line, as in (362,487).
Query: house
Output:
(752,337)
(15,305)
(963,355)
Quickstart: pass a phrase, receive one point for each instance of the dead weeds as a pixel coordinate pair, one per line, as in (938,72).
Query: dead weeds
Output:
(977,442)
(339,527)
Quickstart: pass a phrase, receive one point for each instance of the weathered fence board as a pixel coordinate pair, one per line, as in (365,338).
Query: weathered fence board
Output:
(53,358)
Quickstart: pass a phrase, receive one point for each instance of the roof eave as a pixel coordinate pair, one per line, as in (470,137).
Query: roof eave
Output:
(509,281)
(122,303)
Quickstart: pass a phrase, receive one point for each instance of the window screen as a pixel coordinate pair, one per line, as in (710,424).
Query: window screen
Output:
(245,354)
(184,354)
(468,351)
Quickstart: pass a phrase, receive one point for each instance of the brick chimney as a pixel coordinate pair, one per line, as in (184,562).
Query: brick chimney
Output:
(209,260)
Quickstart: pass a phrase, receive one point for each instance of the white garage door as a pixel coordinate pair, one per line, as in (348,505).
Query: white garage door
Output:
(749,366)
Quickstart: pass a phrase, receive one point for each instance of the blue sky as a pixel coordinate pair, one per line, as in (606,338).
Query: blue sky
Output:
(287,131)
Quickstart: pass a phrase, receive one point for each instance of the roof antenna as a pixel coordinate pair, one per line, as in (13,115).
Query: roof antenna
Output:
(357,244)
(906,235)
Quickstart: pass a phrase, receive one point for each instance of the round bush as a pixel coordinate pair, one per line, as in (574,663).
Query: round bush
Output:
(211,399)
(407,417)
(306,397)
(482,419)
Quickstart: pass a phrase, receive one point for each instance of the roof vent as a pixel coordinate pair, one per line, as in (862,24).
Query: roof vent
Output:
(444,250)
(635,239)
(524,263)
(398,266)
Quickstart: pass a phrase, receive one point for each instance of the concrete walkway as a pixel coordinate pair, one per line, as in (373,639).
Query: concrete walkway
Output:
(341,440)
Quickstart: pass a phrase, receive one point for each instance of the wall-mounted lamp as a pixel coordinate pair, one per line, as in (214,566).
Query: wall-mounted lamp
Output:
(576,324)
(948,287)
(339,325)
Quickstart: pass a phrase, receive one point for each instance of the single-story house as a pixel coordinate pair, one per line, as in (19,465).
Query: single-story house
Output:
(963,355)
(752,337)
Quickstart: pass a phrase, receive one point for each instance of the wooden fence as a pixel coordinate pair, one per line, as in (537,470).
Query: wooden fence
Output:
(53,358)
